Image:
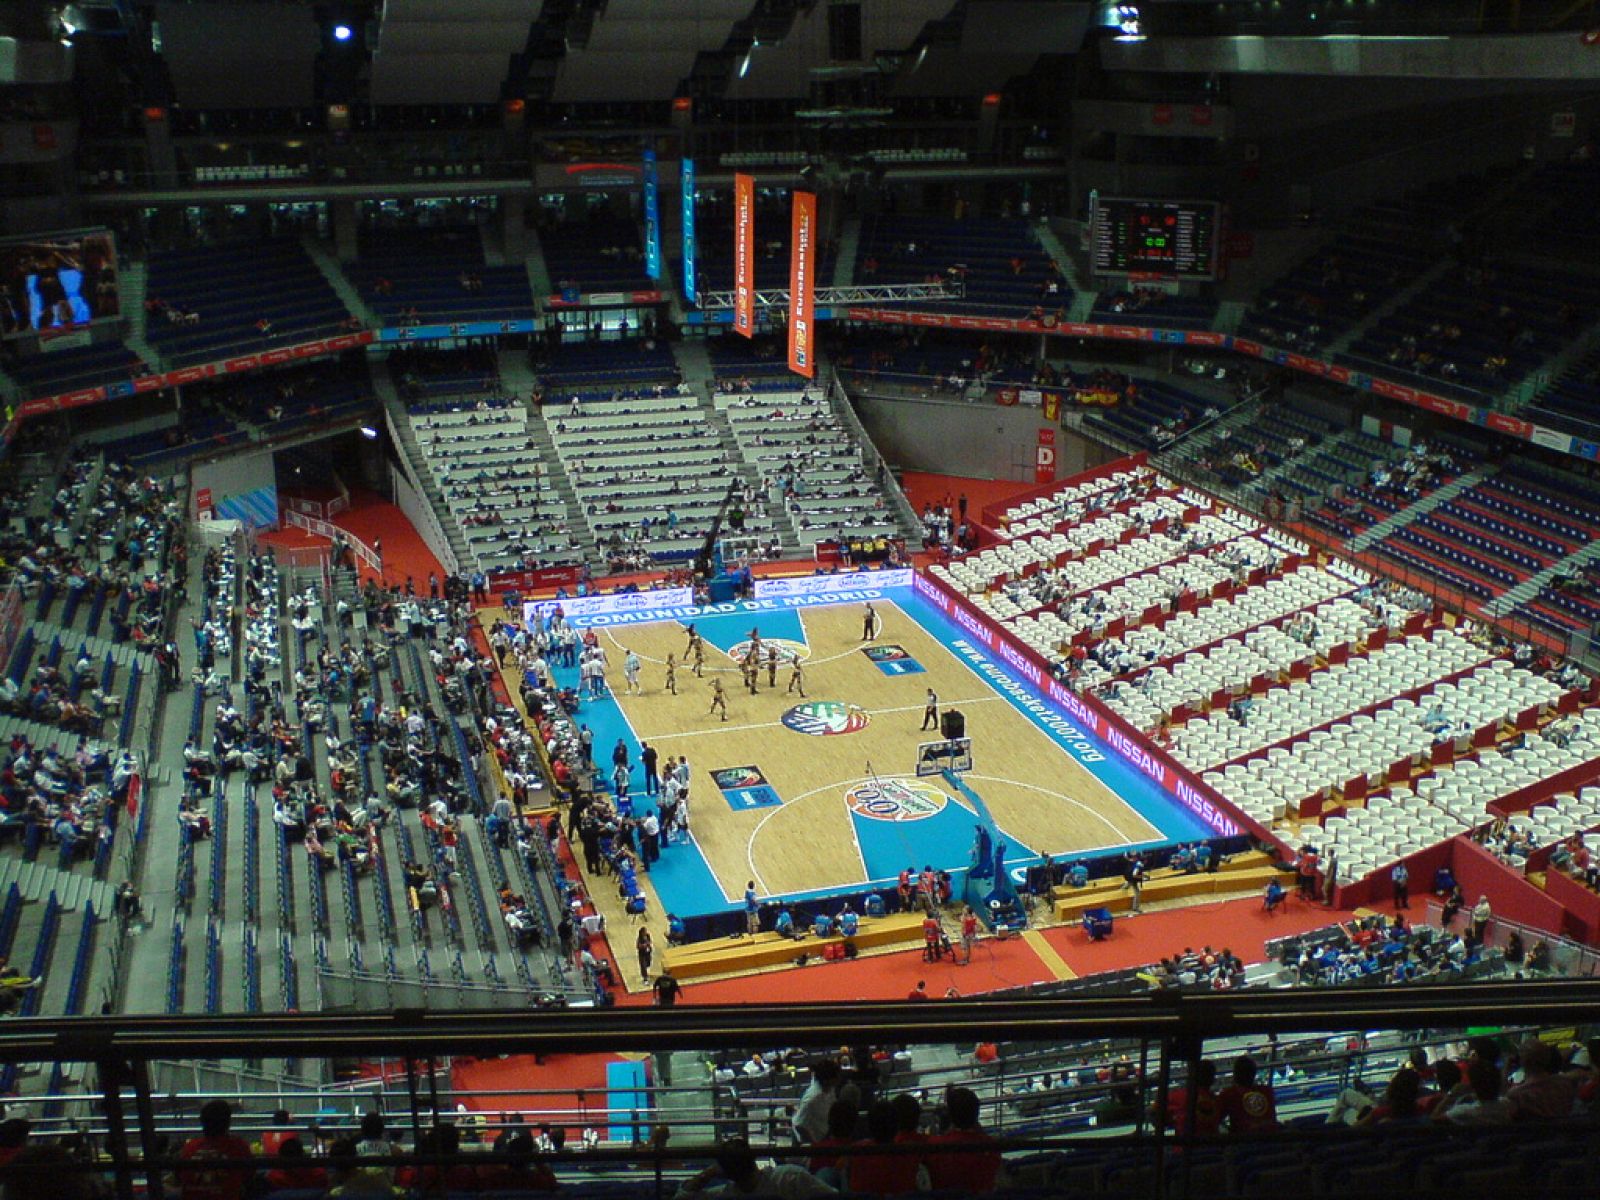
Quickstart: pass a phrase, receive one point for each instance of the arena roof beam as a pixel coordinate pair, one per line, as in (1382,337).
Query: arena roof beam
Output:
(886,293)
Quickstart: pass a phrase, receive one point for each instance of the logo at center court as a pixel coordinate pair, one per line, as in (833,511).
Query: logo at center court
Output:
(786,649)
(893,800)
(824,718)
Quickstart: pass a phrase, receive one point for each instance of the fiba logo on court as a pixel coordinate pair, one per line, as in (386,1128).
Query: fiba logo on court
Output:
(823,718)
(892,800)
(786,649)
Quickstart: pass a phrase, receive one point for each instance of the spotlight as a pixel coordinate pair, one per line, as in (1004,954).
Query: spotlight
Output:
(368,432)
(744,67)
(343,33)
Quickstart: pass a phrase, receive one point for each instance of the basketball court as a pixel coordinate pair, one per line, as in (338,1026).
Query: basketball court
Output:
(819,794)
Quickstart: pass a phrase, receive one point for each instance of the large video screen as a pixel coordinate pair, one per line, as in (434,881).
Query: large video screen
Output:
(1172,238)
(56,281)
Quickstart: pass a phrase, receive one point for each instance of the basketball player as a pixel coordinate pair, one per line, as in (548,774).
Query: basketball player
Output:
(719,699)
(930,711)
(869,623)
(797,679)
(671,683)
(630,671)
(772,665)
(699,658)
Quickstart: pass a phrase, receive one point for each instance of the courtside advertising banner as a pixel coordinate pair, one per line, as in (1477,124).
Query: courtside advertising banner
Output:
(652,217)
(843,585)
(802,281)
(579,608)
(744,263)
(691,288)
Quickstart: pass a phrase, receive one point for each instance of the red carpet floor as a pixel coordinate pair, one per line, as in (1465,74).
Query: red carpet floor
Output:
(922,488)
(571,1083)
(371,516)
(1237,925)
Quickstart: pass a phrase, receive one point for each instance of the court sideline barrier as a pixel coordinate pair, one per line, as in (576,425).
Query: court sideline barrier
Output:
(1223,817)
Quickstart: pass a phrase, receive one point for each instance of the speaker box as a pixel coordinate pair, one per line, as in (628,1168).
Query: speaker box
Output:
(952,724)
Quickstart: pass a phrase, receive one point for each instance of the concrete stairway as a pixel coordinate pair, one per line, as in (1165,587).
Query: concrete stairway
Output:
(1530,588)
(1083,291)
(844,263)
(36,880)
(1349,338)
(1439,495)
(555,474)
(131,287)
(420,469)
(538,270)
(339,281)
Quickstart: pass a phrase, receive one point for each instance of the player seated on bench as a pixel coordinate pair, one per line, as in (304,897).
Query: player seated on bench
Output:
(677,934)
(784,924)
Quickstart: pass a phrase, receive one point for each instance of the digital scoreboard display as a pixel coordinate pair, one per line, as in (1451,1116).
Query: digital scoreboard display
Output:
(1175,239)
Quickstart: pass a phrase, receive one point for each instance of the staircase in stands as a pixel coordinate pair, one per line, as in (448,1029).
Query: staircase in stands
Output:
(131,296)
(1440,495)
(342,287)
(400,418)
(1393,304)
(844,263)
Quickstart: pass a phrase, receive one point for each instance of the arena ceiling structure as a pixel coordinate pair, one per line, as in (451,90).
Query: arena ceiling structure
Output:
(257,53)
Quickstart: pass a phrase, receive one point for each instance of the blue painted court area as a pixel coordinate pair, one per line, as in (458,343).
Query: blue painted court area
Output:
(627,1101)
(1176,823)
(898,823)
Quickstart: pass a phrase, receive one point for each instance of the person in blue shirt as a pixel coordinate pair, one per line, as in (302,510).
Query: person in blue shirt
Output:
(785,923)
(822,925)
(849,922)
(1078,875)
(676,933)
(752,908)
(874,905)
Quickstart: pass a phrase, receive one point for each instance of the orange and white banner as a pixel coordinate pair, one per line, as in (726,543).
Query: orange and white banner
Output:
(802,284)
(744,261)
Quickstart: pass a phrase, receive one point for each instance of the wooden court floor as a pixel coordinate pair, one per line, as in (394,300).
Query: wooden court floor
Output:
(1034,790)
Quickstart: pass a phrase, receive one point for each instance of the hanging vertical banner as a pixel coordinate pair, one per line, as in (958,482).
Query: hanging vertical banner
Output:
(802,269)
(691,288)
(652,217)
(744,245)
(1044,457)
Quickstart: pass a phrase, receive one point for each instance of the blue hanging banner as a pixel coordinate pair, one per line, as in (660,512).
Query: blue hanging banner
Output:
(691,289)
(652,218)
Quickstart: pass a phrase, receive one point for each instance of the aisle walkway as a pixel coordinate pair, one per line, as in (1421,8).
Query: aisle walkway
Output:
(371,516)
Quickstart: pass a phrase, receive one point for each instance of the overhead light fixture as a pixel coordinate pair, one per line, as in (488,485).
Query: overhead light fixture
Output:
(368,432)
(343,33)
(744,67)
(1129,24)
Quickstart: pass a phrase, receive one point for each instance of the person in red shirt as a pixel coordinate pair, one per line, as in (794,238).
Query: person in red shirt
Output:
(1248,1106)
(974,1172)
(301,1174)
(920,992)
(217,1164)
(1207,1107)
(882,1174)
(824,1164)
(969,934)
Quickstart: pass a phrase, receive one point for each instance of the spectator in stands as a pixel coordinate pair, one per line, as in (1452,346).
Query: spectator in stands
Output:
(1481,915)
(1207,1106)
(1247,1105)
(734,1170)
(1545,1092)
(216,1164)
(350,1178)
(298,1172)
(973,1172)
(1476,1100)
(886,1174)
(811,1115)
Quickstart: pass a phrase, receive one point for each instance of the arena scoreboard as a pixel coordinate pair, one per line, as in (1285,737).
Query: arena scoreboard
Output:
(1173,239)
